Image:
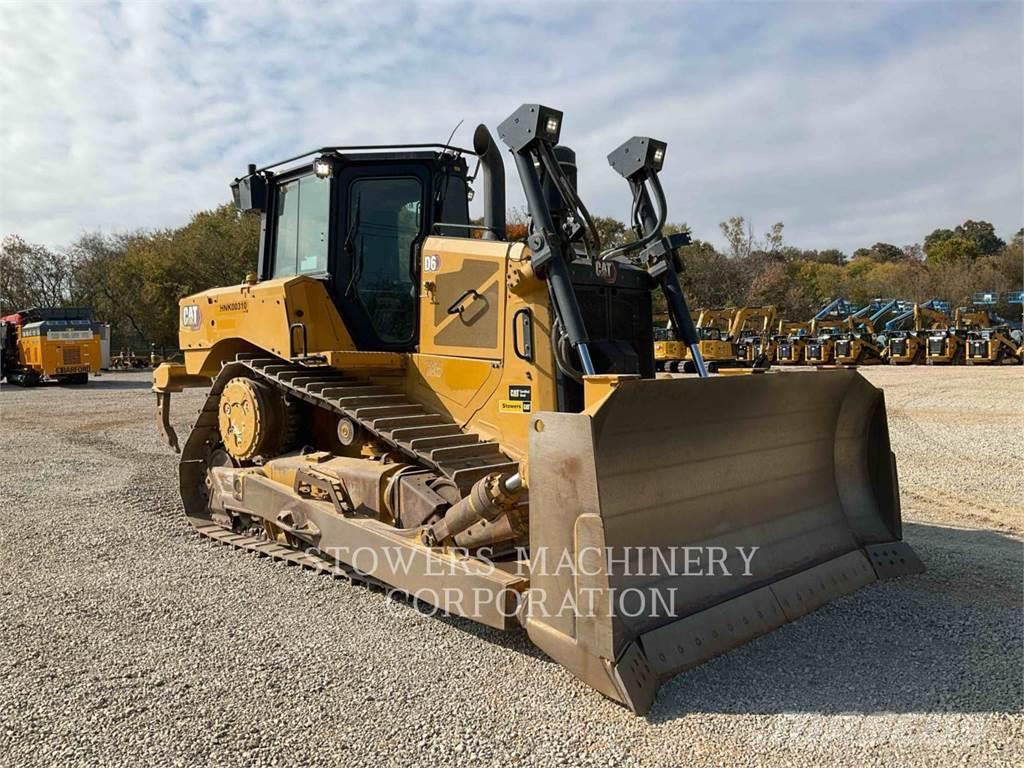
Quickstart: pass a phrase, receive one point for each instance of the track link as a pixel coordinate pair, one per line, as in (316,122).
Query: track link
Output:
(424,436)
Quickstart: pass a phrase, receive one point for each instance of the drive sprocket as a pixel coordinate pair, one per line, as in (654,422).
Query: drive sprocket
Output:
(252,418)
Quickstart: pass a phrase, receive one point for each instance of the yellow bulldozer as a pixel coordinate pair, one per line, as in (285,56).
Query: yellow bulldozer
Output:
(993,346)
(58,344)
(823,331)
(476,422)
(820,348)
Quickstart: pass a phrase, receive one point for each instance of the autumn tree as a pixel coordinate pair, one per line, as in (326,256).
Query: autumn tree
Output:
(32,275)
(952,250)
(739,236)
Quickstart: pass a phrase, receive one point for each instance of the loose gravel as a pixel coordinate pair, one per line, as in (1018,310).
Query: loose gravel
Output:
(126,639)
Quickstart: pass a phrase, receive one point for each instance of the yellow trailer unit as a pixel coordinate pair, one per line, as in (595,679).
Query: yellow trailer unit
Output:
(60,345)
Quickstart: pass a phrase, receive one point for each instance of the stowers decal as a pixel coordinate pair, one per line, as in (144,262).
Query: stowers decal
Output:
(519,400)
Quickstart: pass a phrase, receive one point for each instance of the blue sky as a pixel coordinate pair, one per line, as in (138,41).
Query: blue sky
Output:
(850,123)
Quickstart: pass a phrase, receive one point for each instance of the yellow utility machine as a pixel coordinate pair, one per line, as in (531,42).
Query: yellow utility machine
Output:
(714,331)
(993,346)
(948,346)
(716,347)
(714,328)
(477,422)
(670,354)
(909,347)
(38,345)
(858,344)
(751,333)
(820,348)
(790,340)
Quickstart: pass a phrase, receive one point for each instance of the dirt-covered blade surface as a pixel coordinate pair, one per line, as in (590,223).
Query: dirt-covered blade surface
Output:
(678,518)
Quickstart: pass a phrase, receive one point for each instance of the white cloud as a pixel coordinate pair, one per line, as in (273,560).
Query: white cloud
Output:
(851,124)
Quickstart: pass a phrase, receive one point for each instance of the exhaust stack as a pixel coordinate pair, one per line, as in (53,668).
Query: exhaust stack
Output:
(494,183)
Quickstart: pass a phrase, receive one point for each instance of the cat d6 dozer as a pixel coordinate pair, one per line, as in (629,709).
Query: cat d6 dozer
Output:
(408,398)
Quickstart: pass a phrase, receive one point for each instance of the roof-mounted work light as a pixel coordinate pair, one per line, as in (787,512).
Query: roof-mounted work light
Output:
(323,167)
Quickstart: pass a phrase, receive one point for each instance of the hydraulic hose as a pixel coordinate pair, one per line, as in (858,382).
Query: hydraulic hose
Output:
(570,196)
(653,233)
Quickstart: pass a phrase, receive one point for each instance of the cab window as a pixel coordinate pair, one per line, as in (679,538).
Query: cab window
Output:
(385,219)
(300,245)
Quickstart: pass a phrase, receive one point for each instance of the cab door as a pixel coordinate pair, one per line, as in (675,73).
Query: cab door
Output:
(383,212)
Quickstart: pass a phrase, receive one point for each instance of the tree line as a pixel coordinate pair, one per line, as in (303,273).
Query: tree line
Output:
(134,280)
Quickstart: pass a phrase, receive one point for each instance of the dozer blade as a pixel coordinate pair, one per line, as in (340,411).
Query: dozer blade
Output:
(678,518)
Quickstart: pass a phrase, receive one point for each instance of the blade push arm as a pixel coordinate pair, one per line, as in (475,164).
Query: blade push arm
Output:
(638,161)
(531,132)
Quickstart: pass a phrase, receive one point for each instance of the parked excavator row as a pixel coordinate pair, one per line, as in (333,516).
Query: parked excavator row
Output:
(926,333)
(883,331)
(728,339)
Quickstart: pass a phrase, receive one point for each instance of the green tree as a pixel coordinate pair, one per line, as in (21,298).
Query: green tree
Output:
(937,236)
(881,252)
(886,252)
(952,250)
(134,281)
(983,235)
(612,232)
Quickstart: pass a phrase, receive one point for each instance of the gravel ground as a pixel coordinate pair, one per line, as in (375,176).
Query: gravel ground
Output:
(127,639)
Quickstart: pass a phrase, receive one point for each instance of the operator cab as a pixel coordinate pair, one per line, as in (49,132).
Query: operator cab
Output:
(356,219)
(710,333)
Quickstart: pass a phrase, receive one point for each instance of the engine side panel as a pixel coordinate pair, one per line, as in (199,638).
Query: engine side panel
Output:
(284,317)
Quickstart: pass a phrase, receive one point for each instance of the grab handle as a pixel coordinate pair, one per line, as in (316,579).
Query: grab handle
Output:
(458,307)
